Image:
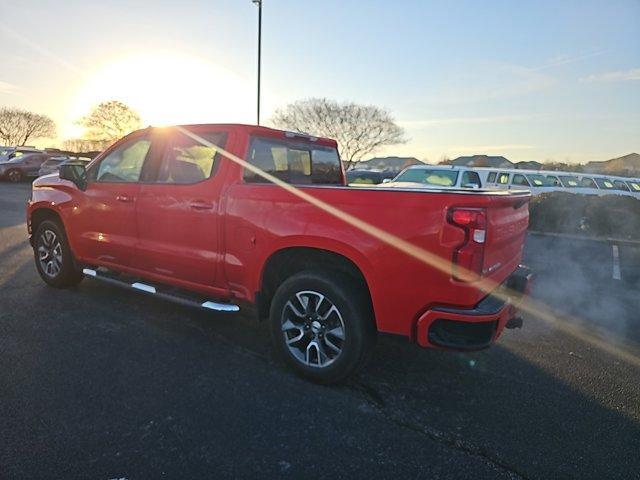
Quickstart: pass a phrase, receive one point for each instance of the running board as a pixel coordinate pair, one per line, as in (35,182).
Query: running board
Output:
(173,295)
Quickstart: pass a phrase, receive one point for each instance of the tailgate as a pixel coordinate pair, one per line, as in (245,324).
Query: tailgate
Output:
(507,221)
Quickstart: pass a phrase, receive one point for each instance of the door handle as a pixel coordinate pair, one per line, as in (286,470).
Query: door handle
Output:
(200,205)
(124,198)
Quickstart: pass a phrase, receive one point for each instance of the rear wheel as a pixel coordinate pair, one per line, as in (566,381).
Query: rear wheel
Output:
(322,325)
(54,260)
(14,176)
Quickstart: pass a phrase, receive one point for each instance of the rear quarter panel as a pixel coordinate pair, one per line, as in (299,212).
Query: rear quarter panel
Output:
(262,219)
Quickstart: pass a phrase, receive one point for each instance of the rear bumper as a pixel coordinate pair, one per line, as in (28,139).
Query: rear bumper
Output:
(479,327)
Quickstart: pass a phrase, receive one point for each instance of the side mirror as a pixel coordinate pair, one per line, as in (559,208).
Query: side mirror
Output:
(74,172)
(386,180)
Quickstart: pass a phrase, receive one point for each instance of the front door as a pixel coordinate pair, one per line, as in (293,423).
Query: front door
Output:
(105,218)
(178,212)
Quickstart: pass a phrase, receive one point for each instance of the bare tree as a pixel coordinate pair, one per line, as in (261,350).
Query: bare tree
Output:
(360,130)
(79,145)
(109,121)
(18,126)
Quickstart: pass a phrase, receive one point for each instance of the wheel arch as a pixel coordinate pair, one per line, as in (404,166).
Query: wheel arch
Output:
(41,214)
(288,261)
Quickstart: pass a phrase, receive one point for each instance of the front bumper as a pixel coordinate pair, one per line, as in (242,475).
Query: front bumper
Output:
(479,327)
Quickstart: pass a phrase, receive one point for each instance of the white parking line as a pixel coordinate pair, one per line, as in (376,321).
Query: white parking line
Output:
(616,263)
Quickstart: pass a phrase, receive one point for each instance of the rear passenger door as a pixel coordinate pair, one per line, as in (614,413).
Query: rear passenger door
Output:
(178,212)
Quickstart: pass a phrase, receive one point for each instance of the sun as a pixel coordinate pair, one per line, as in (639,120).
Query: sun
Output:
(168,88)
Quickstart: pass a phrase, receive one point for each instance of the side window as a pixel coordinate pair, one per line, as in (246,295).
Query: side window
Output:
(620,185)
(124,164)
(503,178)
(588,182)
(492,177)
(185,160)
(635,186)
(520,180)
(293,162)
(555,182)
(471,178)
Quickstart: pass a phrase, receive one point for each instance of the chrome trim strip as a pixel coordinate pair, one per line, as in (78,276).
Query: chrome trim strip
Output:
(221,307)
(144,287)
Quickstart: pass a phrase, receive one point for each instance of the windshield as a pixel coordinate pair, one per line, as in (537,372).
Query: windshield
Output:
(620,185)
(635,186)
(605,184)
(358,176)
(570,181)
(429,176)
(538,180)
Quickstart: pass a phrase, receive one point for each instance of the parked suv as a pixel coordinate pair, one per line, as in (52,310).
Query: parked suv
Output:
(223,217)
(7,153)
(22,166)
(52,165)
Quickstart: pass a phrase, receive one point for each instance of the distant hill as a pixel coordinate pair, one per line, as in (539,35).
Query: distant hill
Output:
(387,163)
(530,165)
(627,165)
(482,161)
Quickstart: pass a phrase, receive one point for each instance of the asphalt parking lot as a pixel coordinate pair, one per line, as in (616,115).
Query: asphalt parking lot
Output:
(97,382)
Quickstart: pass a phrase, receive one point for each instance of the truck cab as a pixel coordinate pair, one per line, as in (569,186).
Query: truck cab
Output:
(228,217)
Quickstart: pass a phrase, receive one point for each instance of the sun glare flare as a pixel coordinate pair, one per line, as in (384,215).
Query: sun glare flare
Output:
(167,88)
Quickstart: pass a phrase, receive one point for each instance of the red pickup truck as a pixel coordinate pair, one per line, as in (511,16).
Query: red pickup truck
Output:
(224,216)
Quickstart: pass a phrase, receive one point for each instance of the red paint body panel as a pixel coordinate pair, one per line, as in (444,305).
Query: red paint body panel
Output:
(222,249)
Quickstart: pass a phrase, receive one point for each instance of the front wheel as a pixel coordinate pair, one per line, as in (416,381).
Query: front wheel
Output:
(322,325)
(53,256)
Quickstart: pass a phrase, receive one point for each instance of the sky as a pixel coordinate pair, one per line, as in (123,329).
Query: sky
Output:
(539,80)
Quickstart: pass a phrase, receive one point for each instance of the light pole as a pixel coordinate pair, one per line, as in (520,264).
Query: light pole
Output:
(259,4)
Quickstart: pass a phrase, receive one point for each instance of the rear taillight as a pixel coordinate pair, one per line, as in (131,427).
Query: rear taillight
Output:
(468,258)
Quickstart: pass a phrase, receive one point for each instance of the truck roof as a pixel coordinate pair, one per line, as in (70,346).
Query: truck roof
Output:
(259,130)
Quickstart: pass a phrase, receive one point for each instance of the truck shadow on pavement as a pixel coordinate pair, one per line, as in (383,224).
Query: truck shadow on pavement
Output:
(503,407)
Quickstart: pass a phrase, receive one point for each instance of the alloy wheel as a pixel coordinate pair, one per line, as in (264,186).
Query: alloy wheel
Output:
(50,253)
(313,329)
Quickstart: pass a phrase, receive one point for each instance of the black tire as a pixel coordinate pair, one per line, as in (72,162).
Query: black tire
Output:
(53,257)
(14,176)
(354,319)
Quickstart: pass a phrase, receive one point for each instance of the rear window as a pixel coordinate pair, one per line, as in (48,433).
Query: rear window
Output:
(437,178)
(293,162)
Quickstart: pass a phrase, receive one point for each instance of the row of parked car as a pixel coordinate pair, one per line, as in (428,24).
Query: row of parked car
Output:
(537,181)
(20,163)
